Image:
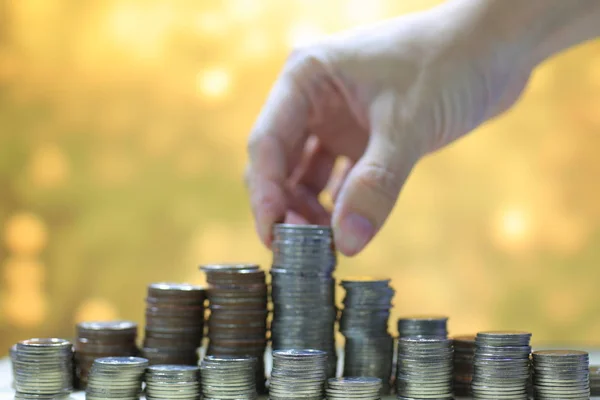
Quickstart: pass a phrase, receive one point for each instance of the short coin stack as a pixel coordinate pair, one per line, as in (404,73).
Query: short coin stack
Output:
(298,374)
(13,355)
(594,380)
(174,323)
(369,347)
(237,325)
(464,352)
(501,365)
(43,369)
(357,388)
(228,378)
(303,290)
(102,339)
(423,326)
(116,378)
(424,368)
(177,382)
(561,374)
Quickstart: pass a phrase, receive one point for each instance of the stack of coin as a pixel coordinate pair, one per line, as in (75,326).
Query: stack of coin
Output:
(102,339)
(560,374)
(174,323)
(43,369)
(594,380)
(369,348)
(116,378)
(424,368)
(303,290)
(423,326)
(177,382)
(13,355)
(366,388)
(501,365)
(298,373)
(228,378)
(464,352)
(237,325)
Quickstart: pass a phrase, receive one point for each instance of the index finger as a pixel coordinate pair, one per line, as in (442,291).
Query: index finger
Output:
(275,147)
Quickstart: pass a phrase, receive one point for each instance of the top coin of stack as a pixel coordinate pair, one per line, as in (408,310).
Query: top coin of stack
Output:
(560,374)
(43,369)
(237,325)
(102,339)
(501,365)
(423,326)
(174,323)
(369,347)
(303,290)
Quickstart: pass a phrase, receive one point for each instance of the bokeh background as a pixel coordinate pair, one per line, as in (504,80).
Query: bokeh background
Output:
(122,147)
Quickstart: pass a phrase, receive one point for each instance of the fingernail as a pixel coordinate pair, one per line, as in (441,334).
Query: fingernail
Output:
(355,231)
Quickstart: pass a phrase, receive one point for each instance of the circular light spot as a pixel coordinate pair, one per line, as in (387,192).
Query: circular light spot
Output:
(25,234)
(512,229)
(23,273)
(25,308)
(95,309)
(48,167)
(214,83)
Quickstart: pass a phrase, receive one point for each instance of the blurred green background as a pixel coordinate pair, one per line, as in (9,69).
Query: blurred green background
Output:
(122,147)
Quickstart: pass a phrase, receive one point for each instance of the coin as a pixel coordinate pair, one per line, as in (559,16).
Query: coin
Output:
(303,290)
(366,388)
(98,339)
(237,324)
(369,347)
(43,367)
(501,365)
(180,382)
(464,352)
(299,374)
(426,326)
(560,374)
(228,377)
(116,377)
(594,380)
(174,323)
(424,368)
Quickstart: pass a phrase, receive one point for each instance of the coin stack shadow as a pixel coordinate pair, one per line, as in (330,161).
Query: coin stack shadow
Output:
(116,378)
(464,352)
(174,323)
(298,374)
(43,369)
(560,374)
(230,377)
(501,365)
(102,339)
(177,382)
(369,348)
(424,368)
(237,324)
(594,380)
(303,290)
(356,388)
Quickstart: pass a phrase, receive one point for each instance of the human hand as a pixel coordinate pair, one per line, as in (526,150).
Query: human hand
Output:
(383,97)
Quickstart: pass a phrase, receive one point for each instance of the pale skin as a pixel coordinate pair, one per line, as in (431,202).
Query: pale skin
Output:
(384,96)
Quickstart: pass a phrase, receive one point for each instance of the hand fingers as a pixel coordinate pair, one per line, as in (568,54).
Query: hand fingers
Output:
(339,177)
(369,193)
(315,169)
(275,146)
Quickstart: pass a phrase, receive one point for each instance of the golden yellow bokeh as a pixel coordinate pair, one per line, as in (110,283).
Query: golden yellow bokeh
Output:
(214,83)
(49,166)
(25,234)
(95,309)
(23,273)
(25,308)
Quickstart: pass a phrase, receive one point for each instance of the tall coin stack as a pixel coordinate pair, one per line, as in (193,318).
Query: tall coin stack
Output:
(237,325)
(464,352)
(594,380)
(102,339)
(561,374)
(116,378)
(423,326)
(174,323)
(43,369)
(303,290)
(177,382)
(356,388)
(369,348)
(298,374)
(424,368)
(501,365)
(228,378)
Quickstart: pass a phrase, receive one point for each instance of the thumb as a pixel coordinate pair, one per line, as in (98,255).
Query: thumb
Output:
(370,193)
